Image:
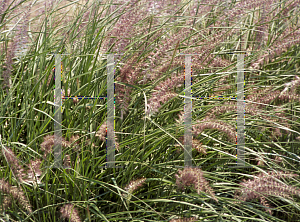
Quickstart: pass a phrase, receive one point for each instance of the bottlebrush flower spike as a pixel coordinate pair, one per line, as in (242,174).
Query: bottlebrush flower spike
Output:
(34,172)
(278,159)
(48,143)
(134,185)
(63,94)
(163,93)
(260,161)
(3,6)
(9,66)
(16,193)
(213,124)
(193,176)
(264,185)
(127,75)
(196,144)
(75,143)
(6,203)
(264,96)
(293,84)
(49,78)
(70,212)
(22,37)
(13,162)
(181,118)
(102,133)
(88,143)
(187,178)
(67,162)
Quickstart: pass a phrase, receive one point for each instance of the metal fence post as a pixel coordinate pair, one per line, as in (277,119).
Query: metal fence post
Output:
(110,112)
(187,112)
(240,111)
(57,114)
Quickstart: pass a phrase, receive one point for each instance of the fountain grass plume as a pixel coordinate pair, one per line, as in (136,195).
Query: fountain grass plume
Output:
(70,212)
(264,185)
(194,177)
(17,194)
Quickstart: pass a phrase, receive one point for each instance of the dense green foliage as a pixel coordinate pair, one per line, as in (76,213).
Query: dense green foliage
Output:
(151,184)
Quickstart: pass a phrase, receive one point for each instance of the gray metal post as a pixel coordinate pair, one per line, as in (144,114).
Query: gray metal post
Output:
(188,113)
(110,112)
(57,114)
(240,111)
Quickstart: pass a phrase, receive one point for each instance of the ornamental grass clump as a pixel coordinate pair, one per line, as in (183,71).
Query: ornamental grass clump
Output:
(149,48)
(193,177)
(265,185)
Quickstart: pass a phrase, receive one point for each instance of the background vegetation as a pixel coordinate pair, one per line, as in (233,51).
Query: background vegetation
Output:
(152,184)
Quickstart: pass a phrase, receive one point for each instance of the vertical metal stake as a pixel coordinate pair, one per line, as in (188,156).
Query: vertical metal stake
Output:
(110,112)
(240,111)
(57,114)
(187,113)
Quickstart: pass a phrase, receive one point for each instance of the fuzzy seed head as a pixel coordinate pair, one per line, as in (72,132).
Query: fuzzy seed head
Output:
(70,212)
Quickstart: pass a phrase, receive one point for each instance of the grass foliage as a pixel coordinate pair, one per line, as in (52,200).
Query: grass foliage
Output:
(149,121)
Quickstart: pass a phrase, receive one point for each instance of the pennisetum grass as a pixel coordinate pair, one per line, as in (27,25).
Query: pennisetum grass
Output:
(149,74)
